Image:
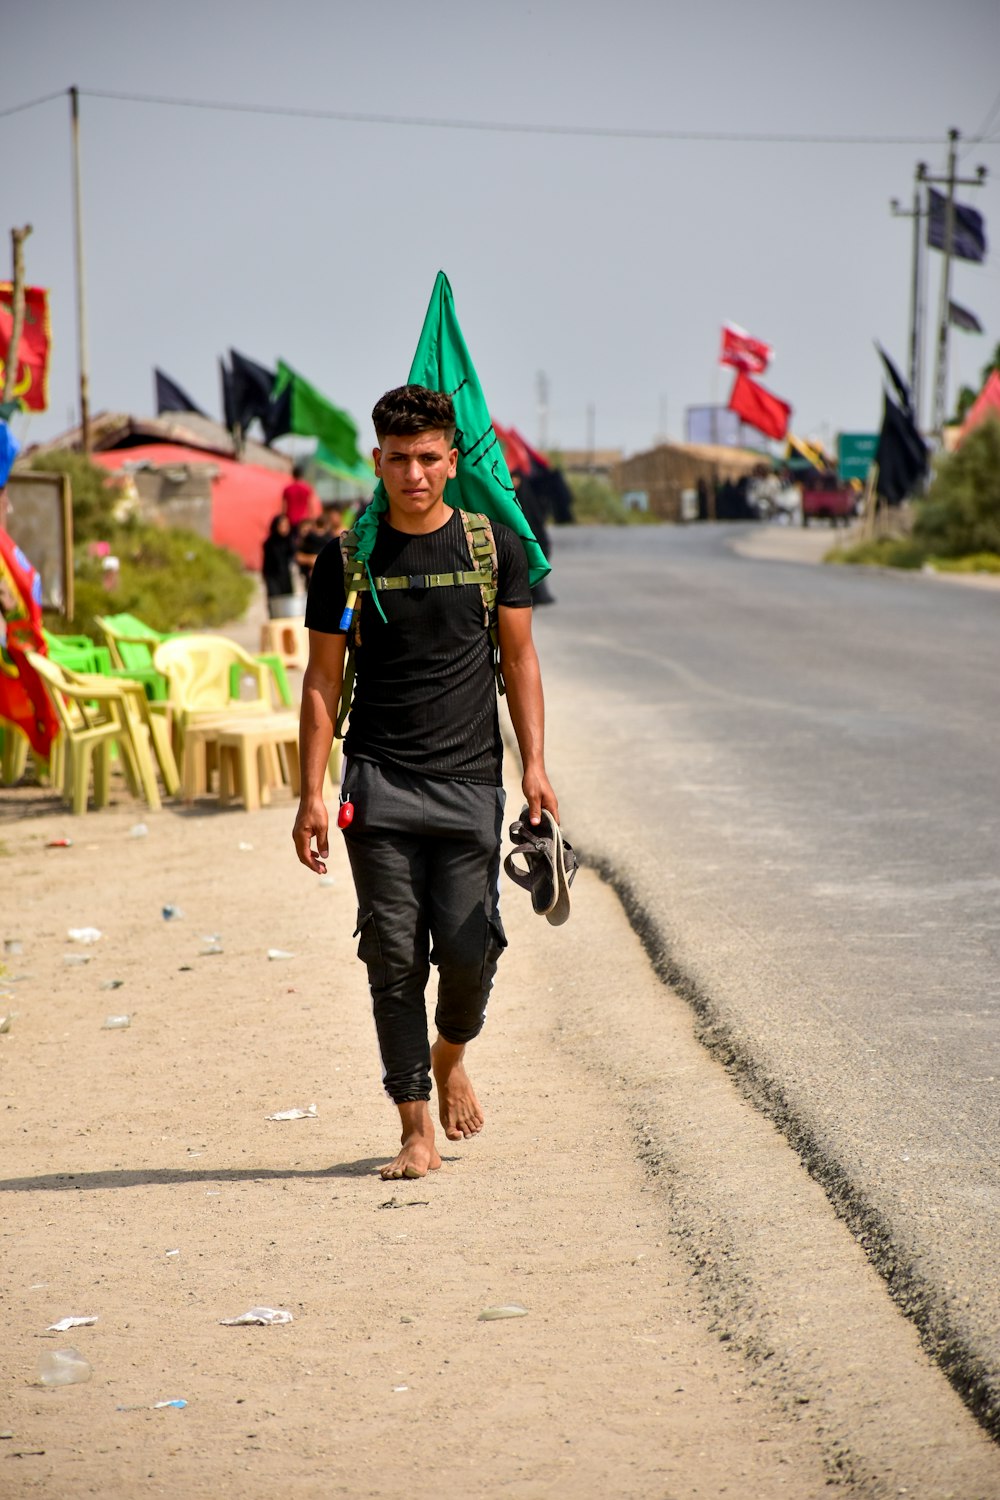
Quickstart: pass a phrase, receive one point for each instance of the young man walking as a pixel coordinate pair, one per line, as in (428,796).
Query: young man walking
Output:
(423,767)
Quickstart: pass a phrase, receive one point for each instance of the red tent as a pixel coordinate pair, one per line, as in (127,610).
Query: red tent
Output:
(245,497)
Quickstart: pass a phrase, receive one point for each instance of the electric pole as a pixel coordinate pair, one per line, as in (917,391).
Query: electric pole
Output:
(81,309)
(917,214)
(17,238)
(941,363)
(542,387)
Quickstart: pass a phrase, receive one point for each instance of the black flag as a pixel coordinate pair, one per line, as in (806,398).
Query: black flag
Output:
(968,240)
(902,389)
(170,397)
(961,317)
(251,397)
(901,455)
(228,406)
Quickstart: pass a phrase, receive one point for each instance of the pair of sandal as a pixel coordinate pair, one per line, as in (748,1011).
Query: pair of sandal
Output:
(549,865)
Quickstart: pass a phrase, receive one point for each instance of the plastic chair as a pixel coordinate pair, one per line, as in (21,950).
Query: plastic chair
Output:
(93,720)
(131,643)
(201,671)
(144,721)
(13,753)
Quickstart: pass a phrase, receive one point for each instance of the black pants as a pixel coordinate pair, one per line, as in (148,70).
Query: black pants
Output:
(425,855)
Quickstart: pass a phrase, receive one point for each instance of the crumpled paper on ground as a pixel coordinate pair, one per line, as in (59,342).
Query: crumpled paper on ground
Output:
(261,1316)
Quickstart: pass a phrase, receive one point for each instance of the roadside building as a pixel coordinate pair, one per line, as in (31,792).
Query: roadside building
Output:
(678,481)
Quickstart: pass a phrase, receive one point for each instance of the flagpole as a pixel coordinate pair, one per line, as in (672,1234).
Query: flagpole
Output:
(868,514)
(941,364)
(916,213)
(17,238)
(81,310)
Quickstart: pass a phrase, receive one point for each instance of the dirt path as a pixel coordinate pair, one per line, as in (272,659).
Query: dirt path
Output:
(698,1323)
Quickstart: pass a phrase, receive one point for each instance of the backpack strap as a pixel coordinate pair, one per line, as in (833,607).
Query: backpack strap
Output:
(355,579)
(483,550)
(359,580)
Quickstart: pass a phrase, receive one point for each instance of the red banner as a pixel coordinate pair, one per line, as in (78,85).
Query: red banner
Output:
(31,386)
(23,699)
(743,352)
(759,408)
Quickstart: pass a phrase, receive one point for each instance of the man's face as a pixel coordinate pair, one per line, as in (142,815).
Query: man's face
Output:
(415,470)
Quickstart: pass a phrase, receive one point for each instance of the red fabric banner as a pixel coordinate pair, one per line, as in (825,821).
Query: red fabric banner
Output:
(758,407)
(31,385)
(743,352)
(23,699)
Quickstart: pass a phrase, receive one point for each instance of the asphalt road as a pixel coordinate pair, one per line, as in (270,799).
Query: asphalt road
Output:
(792,775)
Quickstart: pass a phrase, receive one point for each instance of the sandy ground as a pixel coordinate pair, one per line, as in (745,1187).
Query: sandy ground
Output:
(698,1323)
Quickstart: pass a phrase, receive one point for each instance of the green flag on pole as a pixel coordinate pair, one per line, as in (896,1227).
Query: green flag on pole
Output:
(312,415)
(483,483)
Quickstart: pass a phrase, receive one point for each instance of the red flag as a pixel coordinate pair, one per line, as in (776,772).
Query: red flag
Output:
(31,384)
(23,699)
(759,408)
(743,352)
(517,451)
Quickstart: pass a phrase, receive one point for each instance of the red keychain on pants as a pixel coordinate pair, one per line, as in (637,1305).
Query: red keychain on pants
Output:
(345,817)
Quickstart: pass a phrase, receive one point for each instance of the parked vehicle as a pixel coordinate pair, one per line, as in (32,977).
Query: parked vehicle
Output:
(824,498)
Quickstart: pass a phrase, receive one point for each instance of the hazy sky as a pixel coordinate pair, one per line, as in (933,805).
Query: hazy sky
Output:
(609,264)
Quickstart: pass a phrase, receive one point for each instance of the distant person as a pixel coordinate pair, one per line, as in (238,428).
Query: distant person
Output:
(276,564)
(298,499)
(314,535)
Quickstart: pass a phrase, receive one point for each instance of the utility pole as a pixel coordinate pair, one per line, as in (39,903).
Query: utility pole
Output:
(591,430)
(17,238)
(81,308)
(917,214)
(941,362)
(542,387)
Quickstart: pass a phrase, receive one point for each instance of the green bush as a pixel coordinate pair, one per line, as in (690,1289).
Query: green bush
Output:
(595,503)
(976,562)
(95,495)
(881,552)
(961,514)
(174,580)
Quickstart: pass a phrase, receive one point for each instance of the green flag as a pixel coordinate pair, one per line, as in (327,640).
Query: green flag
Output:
(361,472)
(312,415)
(482,484)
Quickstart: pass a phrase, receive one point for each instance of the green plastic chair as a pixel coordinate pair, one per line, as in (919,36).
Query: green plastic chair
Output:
(78,652)
(132,643)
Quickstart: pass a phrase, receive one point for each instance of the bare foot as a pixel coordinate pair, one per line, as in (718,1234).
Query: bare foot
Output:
(418,1154)
(460,1111)
(417,1157)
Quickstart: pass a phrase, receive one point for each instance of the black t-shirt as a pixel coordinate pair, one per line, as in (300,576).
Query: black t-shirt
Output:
(425,693)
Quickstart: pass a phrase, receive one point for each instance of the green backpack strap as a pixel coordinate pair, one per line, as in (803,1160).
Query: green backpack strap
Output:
(483,551)
(358,580)
(355,581)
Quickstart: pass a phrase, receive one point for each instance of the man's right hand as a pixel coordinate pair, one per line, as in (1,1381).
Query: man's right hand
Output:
(312,823)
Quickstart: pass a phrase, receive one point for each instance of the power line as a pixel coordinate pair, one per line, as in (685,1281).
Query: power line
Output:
(16,109)
(989,122)
(500,127)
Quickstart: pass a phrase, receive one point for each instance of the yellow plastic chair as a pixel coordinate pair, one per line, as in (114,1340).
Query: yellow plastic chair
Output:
(199,670)
(92,721)
(145,721)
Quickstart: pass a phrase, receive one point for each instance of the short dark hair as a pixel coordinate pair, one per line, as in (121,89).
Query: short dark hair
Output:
(410,409)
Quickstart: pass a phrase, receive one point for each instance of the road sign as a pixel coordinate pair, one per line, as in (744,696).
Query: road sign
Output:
(855,454)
